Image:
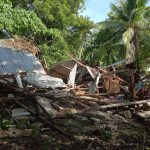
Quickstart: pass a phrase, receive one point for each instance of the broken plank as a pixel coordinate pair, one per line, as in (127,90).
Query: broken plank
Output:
(5,99)
(45,104)
(51,123)
(92,99)
(80,104)
(56,106)
(120,104)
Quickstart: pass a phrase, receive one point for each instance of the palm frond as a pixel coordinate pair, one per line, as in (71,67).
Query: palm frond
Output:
(119,12)
(141,3)
(138,18)
(108,36)
(112,24)
(128,35)
(130,6)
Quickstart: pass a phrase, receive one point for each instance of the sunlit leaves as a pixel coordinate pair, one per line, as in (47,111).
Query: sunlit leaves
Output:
(19,21)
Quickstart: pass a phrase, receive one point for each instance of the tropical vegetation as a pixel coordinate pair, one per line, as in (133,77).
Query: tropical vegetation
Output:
(58,28)
(124,35)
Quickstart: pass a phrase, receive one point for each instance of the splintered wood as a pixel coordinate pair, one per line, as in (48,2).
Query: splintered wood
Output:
(91,96)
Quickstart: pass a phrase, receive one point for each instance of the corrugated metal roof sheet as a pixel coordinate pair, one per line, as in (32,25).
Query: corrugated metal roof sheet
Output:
(12,61)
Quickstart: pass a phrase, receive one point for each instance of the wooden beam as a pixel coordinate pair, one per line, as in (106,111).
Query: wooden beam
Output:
(132,88)
(124,104)
(60,74)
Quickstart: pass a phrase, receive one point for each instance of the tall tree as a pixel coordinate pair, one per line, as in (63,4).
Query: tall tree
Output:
(53,20)
(80,36)
(16,21)
(127,21)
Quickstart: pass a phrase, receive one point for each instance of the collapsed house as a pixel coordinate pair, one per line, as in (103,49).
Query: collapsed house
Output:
(117,80)
(15,60)
(71,90)
(18,59)
(92,80)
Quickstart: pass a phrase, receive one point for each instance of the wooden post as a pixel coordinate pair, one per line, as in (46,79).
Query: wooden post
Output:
(132,88)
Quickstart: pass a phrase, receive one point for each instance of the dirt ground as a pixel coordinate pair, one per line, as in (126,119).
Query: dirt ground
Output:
(85,136)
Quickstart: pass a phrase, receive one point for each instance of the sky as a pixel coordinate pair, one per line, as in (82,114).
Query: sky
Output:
(97,10)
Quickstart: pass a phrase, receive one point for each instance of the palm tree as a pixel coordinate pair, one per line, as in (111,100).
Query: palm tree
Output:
(126,22)
(105,48)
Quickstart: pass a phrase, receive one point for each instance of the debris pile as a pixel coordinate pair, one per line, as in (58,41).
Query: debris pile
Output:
(74,93)
(66,111)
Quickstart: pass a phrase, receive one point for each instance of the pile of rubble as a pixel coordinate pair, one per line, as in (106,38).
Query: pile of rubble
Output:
(89,93)
(95,97)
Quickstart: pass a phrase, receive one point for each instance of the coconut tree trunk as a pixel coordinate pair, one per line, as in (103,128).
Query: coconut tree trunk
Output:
(108,57)
(136,46)
(113,56)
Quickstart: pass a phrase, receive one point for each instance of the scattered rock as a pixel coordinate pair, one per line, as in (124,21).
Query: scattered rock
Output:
(95,120)
(13,132)
(103,117)
(3,134)
(118,118)
(112,126)
(145,115)
(132,110)
(19,112)
(146,106)
(82,119)
(127,114)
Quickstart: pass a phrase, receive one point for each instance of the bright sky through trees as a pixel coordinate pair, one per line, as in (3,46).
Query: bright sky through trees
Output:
(97,10)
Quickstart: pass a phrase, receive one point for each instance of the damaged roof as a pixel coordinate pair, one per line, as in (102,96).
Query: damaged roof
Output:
(62,69)
(20,44)
(13,61)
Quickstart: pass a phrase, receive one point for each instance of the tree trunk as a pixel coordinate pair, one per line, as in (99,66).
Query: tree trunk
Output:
(132,88)
(136,46)
(108,56)
(113,57)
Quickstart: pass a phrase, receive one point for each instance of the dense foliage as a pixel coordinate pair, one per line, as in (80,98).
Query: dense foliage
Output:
(124,34)
(57,27)
(53,24)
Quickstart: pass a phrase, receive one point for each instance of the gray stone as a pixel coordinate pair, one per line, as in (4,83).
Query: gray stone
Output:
(98,114)
(145,115)
(95,120)
(119,119)
(82,119)
(19,112)
(127,114)
(112,126)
